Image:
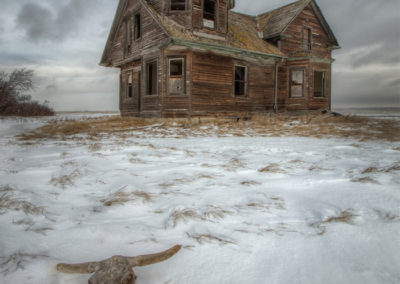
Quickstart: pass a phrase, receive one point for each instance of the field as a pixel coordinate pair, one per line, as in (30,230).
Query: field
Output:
(276,199)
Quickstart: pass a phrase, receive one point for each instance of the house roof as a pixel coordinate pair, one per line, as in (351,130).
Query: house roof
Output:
(243,35)
(274,23)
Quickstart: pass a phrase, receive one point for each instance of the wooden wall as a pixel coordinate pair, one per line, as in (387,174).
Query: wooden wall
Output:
(221,18)
(294,44)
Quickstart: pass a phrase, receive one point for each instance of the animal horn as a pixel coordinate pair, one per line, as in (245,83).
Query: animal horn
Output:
(148,259)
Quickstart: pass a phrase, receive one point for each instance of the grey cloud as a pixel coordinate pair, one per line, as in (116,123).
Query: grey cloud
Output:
(384,55)
(41,23)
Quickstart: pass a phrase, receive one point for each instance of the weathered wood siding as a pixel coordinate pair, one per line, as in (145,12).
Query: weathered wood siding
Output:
(293,46)
(213,86)
(152,35)
(221,18)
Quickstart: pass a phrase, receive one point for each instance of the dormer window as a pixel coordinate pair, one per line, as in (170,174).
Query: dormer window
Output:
(178,5)
(209,13)
(209,10)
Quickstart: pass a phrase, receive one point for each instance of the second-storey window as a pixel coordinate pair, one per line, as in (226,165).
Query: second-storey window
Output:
(138,27)
(178,5)
(240,81)
(307,36)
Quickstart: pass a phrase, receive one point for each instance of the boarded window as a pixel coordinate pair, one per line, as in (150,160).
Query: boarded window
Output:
(209,10)
(319,84)
(138,27)
(151,78)
(307,35)
(296,83)
(129,87)
(240,81)
(178,5)
(176,76)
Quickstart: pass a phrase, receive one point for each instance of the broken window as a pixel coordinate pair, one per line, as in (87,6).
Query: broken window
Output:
(138,28)
(296,83)
(151,78)
(176,76)
(209,13)
(129,87)
(178,5)
(319,84)
(240,81)
(307,35)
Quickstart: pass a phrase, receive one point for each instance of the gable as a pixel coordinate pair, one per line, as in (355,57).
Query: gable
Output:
(114,45)
(276,22)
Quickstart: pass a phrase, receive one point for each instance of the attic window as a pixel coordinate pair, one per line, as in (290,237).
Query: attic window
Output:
(240,81)
(178,5)
(209,10)
(138,28)
(307,36)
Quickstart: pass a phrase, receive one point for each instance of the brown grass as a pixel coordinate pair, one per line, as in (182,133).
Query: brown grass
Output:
(65,181)
(183,215)
(307,125)
(17,261)
(8,202)
(365,180)
(344,217)
(121,197)
(208,238)
(272,168)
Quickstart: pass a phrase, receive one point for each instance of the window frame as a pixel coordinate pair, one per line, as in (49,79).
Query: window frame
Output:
(324,85)
(183,76)
(149,62)
(129,91)
(215,14)
(307,45)
(245,81)
(303,70)
(137,27)
(177,11)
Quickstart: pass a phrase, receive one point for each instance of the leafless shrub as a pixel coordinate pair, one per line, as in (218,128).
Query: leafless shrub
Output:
(121,197)
(272,168)
(17,261)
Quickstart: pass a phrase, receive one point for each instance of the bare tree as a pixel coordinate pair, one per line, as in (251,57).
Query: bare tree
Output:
(13,100)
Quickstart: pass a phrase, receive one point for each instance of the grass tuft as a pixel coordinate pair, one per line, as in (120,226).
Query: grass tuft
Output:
(121,197)
(272,168)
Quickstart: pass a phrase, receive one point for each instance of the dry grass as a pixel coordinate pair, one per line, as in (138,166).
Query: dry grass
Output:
(121,197)
(208,238)
(65,181)
(365,180)
(8,202)
(215,212)
(183,215)
(345,216)
(272,168)
(250,182)
(306,125)
(17,261)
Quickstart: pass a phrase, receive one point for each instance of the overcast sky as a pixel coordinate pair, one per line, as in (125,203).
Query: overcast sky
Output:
(63,42)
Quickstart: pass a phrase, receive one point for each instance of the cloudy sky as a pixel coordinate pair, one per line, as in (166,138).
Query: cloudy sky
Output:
(63,42)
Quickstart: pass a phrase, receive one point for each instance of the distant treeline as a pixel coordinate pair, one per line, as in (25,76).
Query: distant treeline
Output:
(13,101)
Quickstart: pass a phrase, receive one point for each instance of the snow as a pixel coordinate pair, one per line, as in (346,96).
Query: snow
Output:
(237,224)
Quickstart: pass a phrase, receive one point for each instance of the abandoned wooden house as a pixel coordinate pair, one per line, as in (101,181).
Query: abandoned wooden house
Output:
(182,58)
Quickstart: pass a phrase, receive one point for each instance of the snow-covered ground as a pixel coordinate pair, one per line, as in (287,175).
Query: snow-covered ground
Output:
(246,209)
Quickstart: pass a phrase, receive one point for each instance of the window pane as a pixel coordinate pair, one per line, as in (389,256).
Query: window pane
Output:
(296,83)
(240,81)
(209,9)
(138,28)
(176,67)
(178,5)
(129,89)
(319,84)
